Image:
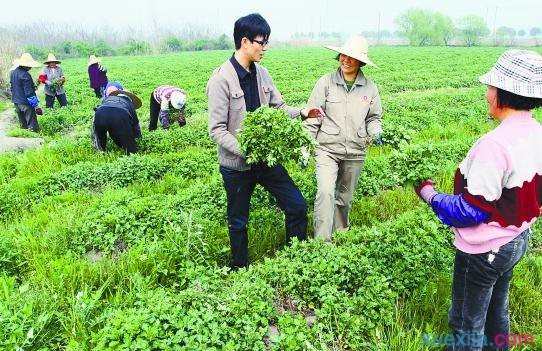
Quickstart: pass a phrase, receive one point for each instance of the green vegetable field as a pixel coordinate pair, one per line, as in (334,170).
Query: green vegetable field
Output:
(101,251)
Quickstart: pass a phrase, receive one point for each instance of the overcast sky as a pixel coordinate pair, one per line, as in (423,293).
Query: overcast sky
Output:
(284,16)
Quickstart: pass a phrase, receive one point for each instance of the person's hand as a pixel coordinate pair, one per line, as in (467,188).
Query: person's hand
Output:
(42,78)
(182,120)
(312,113)
(39,111)
(377,140)
(33,101)
(305,157)
(426,190)
(315,113)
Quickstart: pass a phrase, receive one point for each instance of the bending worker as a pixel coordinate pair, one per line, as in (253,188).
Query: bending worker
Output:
(164,98)
(117,116)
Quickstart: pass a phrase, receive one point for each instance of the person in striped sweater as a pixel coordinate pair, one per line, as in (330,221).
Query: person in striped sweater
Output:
(497,198)
(164,98)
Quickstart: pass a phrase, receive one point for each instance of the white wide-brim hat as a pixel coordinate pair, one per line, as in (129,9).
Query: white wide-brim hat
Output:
(26,60)
(177,100)
(355,47)
(518,72)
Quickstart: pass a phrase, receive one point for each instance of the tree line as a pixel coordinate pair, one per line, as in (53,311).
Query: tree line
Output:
(77,48)
(424,27)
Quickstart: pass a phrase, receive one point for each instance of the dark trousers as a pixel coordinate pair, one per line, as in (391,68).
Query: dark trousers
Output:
(50,100)
(239,187)
(116,122)
(479,314)
(27,117)
(154,108)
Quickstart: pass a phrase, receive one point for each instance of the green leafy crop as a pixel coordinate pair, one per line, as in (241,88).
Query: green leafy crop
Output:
(269,135)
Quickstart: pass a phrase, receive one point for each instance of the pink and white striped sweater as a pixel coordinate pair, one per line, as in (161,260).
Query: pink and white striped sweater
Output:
(501,175)
(162,95)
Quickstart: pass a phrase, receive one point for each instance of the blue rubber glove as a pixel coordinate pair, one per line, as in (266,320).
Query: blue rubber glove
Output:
(33,101)
(455,211)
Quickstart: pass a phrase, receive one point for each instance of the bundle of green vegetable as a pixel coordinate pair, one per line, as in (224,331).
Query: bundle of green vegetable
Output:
(57,84)
(269,135)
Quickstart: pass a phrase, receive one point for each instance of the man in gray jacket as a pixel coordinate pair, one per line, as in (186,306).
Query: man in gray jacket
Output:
(237,86)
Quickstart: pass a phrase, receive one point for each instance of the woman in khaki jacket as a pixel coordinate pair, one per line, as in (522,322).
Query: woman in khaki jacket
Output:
(352,121)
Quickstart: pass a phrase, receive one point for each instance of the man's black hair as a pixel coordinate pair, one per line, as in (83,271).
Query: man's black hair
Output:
(516,102)
(250,27)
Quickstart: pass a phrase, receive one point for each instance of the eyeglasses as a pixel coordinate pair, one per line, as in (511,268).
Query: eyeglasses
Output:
(261,42)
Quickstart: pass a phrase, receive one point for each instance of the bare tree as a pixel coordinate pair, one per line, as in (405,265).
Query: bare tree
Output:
(8,52)
(507,35)
(472,29)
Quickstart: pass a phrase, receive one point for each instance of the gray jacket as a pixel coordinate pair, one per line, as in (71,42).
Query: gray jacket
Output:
(52,74)
(227,110)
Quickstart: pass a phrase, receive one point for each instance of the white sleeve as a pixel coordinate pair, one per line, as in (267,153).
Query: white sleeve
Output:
(485,169)
(164,103)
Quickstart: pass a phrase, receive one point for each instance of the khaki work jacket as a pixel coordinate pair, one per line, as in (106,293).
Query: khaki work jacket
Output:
(352,117)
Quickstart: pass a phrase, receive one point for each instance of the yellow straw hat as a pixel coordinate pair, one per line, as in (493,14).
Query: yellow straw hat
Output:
(51,58)
(26,60)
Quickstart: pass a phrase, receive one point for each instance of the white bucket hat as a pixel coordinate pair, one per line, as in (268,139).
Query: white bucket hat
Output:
(518,72)
(177,100)
(357,47)
(26,60)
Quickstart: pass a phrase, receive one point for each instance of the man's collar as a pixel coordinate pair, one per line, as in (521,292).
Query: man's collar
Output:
(241,71)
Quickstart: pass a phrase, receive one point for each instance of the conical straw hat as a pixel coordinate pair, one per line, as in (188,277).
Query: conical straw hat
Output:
(26,60)
(51,58)
(356,47)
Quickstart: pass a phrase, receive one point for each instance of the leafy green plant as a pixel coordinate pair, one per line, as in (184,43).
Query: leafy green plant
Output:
(200,317)
(269,135)
(406,249)
(414,163)
(104,251)
(27,319)
(22,133)
(395,134)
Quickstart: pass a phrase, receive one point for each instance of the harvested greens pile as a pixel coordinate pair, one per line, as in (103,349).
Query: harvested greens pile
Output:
(269,135)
